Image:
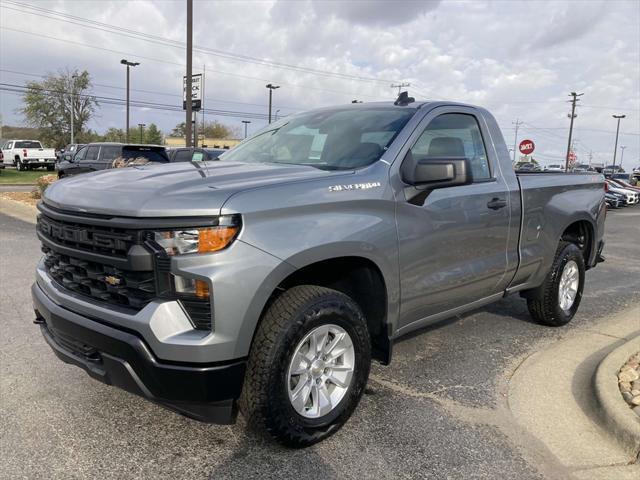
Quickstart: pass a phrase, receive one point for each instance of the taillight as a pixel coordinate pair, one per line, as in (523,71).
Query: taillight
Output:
(1,155)
(24,152)
(606,187)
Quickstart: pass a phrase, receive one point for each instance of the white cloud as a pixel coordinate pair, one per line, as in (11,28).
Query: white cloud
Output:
(519,59)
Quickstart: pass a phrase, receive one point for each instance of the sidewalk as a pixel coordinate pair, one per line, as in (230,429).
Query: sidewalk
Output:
(18,210)
(552,395)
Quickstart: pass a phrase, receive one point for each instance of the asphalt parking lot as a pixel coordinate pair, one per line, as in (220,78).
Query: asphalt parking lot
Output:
(439,411)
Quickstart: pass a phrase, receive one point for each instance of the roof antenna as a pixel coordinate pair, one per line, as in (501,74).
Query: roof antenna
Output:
(404,99)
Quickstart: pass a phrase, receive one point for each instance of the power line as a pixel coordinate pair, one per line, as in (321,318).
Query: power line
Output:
(88,23)
(294,109)
(221,72)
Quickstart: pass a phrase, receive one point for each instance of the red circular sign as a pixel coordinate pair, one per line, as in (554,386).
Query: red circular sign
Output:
(527,147)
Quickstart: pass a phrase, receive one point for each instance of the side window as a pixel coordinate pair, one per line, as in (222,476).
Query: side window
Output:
(110,153)
(455,135)
(182,156)
(80,154)
(197,157)
(9,145)
(92,154)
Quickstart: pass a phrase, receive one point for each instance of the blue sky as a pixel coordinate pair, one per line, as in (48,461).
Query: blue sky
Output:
(519,59)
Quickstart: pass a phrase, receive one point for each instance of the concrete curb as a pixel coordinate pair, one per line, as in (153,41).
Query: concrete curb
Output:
(615,414)
(17,184)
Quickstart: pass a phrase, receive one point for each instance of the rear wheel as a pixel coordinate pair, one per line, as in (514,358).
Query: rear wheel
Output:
(19,165)
(308,366)
(557,300)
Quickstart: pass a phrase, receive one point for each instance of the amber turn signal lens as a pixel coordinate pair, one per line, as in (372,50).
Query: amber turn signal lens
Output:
(202,289)
(214,239)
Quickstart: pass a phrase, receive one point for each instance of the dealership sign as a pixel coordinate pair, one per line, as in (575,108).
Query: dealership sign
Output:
(527,147)
(196,92)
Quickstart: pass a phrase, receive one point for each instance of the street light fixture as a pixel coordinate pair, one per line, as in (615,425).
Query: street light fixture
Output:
(124,61)
(275,116)
(73,90)
(271,88)
(615,148)
(141,125)
(246,123)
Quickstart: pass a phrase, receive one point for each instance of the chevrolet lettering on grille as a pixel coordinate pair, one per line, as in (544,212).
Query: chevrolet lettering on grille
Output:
(69,233)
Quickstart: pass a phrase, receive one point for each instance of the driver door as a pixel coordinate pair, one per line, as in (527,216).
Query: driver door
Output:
(453,240)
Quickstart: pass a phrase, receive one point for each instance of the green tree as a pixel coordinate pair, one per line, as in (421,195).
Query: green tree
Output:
(179,130)
(153,135)
(114,135)
(48,105)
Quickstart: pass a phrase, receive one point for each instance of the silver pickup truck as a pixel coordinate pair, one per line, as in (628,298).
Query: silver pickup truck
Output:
(271,278)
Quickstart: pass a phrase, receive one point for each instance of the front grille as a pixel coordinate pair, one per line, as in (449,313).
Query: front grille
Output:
(99,281)
(114,242)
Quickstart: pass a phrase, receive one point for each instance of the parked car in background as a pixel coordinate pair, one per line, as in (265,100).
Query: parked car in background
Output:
(28,154)
(100,156)
(581,167)
(611,169)
(614,200)
(625,183)
(70,149)
(631,197)
(527,167)
(554,168)
(193,154)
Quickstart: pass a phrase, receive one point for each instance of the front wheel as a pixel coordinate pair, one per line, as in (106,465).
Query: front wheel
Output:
(308,366)
(19,166)
(557,300)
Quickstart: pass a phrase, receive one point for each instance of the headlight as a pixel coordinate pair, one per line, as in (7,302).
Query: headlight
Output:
(198,240)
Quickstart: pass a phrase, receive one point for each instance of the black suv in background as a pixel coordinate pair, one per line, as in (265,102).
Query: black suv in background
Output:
(100,156)
(194,154)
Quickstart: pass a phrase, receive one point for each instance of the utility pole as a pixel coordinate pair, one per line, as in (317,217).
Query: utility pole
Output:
(615,148)
(73,91)
(571,115)
(400,86)
(622,147)
(517,123)
(141,125)
(188,101)
(271,88)
(246,123)
(124,61)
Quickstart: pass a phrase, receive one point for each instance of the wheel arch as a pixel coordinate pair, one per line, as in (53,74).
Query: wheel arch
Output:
(582,234)
(356,276)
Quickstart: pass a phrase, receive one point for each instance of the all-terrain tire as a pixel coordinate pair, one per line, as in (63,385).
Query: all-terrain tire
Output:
(544,302)
(264,401)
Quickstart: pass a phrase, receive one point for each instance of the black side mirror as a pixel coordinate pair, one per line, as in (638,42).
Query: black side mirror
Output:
(436,171)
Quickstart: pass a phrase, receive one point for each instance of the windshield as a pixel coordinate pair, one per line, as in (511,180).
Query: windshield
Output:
(335,139)
(28,144)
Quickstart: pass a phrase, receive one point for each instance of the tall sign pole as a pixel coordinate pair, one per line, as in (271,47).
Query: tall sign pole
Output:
(572,115)
(615,148)
(189,113)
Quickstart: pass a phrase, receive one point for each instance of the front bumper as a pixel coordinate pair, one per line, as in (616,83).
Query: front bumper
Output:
(119,357)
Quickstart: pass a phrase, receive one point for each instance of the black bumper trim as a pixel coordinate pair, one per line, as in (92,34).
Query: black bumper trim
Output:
(202,392)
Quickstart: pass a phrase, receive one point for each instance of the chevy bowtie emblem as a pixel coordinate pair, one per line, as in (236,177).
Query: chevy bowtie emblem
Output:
(112,280)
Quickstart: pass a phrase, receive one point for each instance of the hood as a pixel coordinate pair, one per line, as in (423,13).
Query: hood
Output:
(169,190)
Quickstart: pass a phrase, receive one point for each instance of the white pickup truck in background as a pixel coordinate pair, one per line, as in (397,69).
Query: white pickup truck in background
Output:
(28,154)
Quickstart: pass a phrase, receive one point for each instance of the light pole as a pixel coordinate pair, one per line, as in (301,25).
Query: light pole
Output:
(622,147)
(73,90)
(271,88)
(141,125)
(246,123)
(615,148)
(124,61)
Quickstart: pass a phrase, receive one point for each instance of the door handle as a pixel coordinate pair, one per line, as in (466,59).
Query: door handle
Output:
(497,203)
